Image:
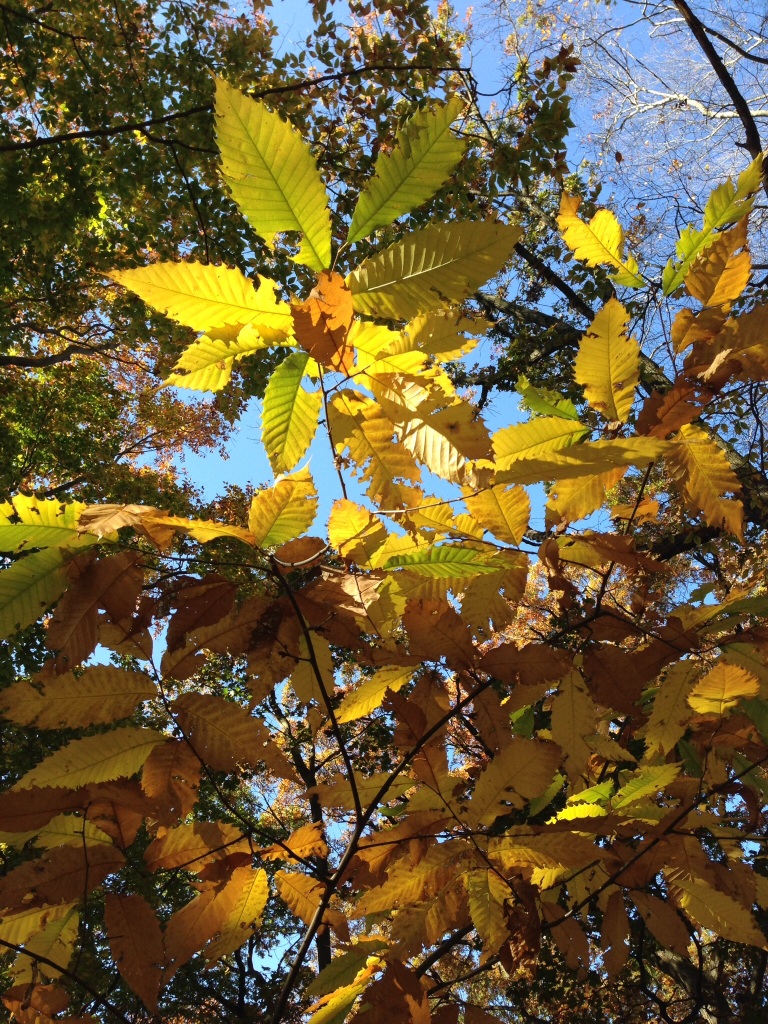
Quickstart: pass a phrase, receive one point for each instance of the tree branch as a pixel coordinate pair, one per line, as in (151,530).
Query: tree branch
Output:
(752,143)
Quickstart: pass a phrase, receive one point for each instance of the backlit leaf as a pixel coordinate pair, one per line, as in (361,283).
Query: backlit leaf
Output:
(117,754)
(101,693)
(706,477)
(136,942)
(598,241)
(369,692)
(727,204)
(290,413)
(272,174)
(608,363)
(245,917)
(432,267)
(285,511)
(721,689)
(425,152)
(29,587)
(206,297)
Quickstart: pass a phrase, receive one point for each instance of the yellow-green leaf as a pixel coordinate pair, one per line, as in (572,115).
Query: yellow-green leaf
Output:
(285,511)
(432,267)
(424,154)
(448,561)
(272,174)
(727,204)
(538,437)
(206,297)
(29,587)
(41,523)
(290,414)
(608,363)
(207,364)
(488,894)
(645,782)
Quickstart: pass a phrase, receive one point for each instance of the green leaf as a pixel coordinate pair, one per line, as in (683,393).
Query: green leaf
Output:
(272,175)
(544,402)
(727,204)
(29,587)
(425,153)
(205,297)
(645,782)
(290,414)
(449,561)
(430,268)
(117,754)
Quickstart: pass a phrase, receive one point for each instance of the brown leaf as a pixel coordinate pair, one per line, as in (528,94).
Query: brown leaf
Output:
(171,777)
(436,631)
(224,735)
(112,583)
(200,603)
(323,321)
(136,942)
(35,1004)
(63,874)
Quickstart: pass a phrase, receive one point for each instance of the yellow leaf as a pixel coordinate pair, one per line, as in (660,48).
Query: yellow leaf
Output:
(56,942)
(720,273)
(117,754)
(715,910)
(517,774)
(574,718)
(571,500)
(587,459)
(205,297)
(19,926)
(670,713)
(608,363)
(245,917)
(440,334)
(300,892)
(355,533)
(721,689)
(488,894)
(503,511)
(369,693)
(599,241)
(285,511)
(703,471)
(304,679)
(358,424)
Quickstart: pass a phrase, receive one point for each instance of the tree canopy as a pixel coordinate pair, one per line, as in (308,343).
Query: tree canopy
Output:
(459,724)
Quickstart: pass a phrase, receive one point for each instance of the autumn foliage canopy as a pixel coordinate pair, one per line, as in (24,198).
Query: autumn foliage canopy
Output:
(453,744)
